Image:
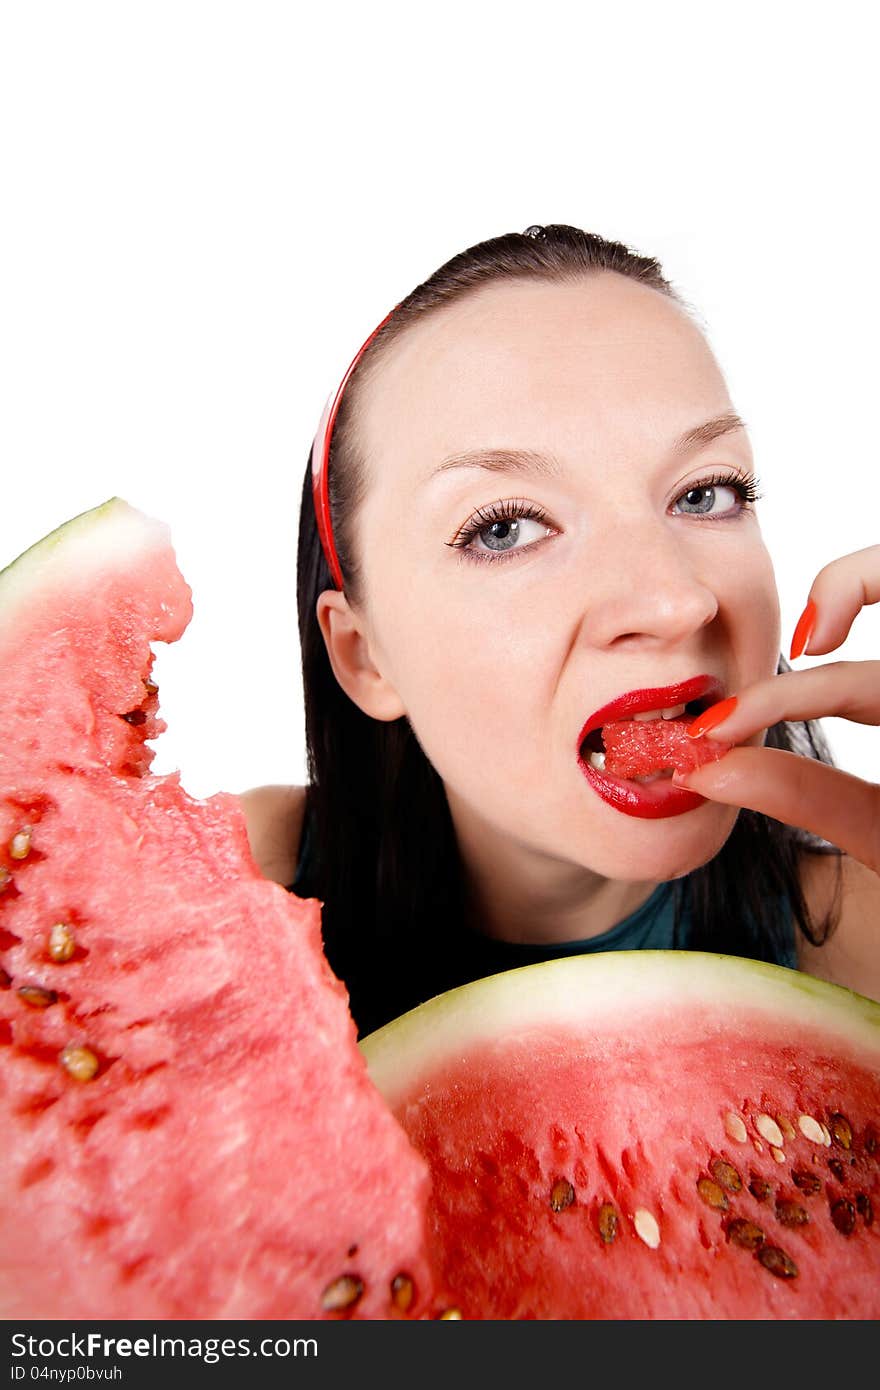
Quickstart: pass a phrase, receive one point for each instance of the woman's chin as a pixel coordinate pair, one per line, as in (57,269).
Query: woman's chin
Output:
(658,851)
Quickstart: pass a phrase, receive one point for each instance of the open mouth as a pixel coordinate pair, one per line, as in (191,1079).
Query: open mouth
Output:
(642,736)
(594,748)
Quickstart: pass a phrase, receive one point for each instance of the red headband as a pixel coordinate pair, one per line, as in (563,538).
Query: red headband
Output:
(321,461)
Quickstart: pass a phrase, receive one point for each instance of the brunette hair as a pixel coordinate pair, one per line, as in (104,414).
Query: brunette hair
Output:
(383,857)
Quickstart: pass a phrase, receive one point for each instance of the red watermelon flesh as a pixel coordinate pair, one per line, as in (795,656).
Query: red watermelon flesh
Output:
(639,747)
(664,1135)
(189,1128)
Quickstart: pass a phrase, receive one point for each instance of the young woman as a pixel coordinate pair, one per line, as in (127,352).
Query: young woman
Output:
(530,512)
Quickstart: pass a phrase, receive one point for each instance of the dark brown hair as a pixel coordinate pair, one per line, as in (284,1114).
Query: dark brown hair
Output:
(382,854)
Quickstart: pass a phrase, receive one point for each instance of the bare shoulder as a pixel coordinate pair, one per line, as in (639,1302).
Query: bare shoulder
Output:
(851,956)
(274,817)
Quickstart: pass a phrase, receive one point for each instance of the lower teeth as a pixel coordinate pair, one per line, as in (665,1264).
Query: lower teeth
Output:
(597,760)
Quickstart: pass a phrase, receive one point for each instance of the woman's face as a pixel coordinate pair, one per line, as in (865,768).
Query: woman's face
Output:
(501,650)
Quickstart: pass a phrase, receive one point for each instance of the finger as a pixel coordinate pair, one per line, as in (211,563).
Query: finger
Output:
(846,689)
(838,592)
(801,791)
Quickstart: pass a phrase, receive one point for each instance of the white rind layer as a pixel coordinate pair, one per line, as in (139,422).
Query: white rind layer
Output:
(611,991)
(113,536)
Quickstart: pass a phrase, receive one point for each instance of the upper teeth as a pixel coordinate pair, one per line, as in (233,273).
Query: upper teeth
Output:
(672,712)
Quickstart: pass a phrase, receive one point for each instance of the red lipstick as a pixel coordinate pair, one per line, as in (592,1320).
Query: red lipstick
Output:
(651,800)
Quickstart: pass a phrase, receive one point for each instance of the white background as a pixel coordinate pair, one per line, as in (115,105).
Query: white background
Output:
(207,207)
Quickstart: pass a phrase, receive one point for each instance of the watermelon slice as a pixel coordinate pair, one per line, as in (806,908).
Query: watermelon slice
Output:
(647,1135)
(640,747)
(189,1128)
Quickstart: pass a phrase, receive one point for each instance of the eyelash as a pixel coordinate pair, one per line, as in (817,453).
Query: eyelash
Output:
(517,508)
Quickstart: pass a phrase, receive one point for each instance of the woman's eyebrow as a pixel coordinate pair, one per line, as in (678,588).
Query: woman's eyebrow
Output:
(546,466)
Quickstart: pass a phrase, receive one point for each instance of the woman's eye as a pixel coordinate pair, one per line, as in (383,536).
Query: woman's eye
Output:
(709,499)
(500,531)
(502,536)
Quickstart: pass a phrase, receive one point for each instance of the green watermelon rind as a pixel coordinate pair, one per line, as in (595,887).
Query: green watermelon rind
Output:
(84,544)
(602,989)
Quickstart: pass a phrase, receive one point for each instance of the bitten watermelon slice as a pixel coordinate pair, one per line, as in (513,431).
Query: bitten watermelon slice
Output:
(647,1135)
(638,748)
(189,1130)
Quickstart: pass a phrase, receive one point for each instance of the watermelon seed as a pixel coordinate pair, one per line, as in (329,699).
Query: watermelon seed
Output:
(725,1174)
(808,1183)
(734,1128)
(759,1147)
(790,1213)
(450,1315)
(20,844)
(810,1129)
(562,1195)
(646,1226)
(769,1130)
(841,1130)
(712,1194)
(843,1216)
(607,1223)
(865,1208)
(826,1135)
(837,1169)
(62,942)
(151,687)
(402,1291)
(870,1139)
(745,1234)
(36,996)
(352,1251)
(786,1126)
(777,1262)
(80,1062)
(5,877)
(778,1154)
(135,716)
(759,1187)
(5,979)
(342,1293)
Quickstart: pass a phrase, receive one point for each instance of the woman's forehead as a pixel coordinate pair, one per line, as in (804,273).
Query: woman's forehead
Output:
(530,358)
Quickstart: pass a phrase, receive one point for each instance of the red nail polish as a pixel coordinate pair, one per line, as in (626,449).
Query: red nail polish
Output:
(712,717)
(803,632)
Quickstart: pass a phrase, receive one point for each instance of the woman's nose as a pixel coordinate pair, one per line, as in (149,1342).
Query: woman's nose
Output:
(647,588)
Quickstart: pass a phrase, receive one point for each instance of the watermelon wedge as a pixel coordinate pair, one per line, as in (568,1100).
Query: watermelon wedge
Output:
(663,1135)
(189,1128)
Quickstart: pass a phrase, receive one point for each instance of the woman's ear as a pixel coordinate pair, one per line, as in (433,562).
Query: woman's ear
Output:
(351,656)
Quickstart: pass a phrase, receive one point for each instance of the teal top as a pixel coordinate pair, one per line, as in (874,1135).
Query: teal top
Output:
(651,927)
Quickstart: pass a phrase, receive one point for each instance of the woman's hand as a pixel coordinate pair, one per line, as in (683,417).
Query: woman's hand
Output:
(836,805)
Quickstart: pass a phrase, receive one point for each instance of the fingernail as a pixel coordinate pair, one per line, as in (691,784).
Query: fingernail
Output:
(712,717)
(803,632)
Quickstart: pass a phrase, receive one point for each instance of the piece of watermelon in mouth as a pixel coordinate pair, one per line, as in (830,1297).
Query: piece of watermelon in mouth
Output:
(651,747)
